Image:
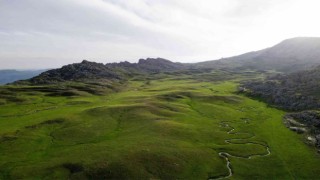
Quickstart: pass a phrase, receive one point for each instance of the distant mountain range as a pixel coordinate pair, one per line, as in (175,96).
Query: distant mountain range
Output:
(290,55)
(8,76)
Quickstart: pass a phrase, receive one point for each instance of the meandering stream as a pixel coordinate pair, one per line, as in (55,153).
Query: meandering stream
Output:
(226,155)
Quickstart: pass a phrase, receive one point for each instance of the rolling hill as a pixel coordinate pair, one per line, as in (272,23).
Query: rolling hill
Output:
(171,127)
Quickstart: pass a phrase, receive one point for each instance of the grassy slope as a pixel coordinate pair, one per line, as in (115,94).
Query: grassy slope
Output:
(167,128)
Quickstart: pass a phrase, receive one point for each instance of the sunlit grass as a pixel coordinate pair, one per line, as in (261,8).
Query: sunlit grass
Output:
(167,128)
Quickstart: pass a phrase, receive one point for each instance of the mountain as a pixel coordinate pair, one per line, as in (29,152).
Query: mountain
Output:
(295,91)
(8,76)
(290,55)
(87,70)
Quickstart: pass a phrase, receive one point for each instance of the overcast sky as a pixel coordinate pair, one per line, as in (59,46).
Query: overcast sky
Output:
(49,33)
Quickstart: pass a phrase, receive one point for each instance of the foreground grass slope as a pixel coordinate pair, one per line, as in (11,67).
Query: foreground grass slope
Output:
(168,128)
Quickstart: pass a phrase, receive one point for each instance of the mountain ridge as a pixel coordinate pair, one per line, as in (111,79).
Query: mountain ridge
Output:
(290,55)
(87,70)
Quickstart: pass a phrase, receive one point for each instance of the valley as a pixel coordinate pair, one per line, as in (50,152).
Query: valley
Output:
(159,90)
(155,126)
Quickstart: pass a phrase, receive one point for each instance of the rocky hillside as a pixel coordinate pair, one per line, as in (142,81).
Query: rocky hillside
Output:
(307,123)
(97,71)
(158,65)
(296,91)
(76,72)
(149,65)
(290,55)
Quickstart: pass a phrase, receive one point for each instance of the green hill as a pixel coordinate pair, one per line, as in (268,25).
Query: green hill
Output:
(174,125)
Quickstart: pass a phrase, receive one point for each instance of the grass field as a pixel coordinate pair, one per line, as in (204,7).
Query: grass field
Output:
(164,128)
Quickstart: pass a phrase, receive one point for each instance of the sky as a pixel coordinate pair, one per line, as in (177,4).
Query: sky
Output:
(37,34)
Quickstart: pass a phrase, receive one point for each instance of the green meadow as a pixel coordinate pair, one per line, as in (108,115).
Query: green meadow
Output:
(164,127)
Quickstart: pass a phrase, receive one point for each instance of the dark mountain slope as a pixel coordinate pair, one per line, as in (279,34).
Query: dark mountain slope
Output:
(290,55)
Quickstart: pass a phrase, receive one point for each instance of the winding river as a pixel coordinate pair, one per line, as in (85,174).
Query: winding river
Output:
(226,155)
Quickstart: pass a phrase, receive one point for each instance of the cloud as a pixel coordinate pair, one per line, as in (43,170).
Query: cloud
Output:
(56,32)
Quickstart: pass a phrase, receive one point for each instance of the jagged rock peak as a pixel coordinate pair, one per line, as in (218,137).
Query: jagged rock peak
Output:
(85,61)
(152,60)
(87,70)
(76,72)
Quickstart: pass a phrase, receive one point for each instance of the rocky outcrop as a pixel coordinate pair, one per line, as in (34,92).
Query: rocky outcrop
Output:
(307,123)
(149,65)
(88,71)
(76,72)
(159,65)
